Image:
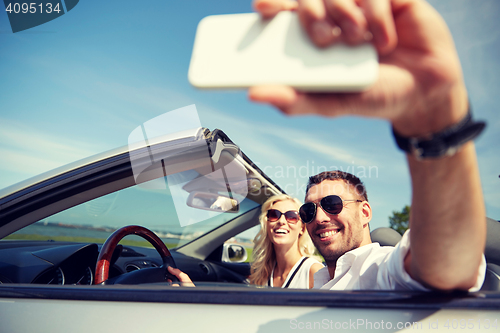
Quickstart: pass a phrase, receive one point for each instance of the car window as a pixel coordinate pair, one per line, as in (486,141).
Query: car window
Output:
(245,239)
(143,205)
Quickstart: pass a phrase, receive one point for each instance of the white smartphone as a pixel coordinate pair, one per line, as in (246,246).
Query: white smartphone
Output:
(243,50)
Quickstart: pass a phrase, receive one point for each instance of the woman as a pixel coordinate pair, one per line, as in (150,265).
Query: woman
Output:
(282,247)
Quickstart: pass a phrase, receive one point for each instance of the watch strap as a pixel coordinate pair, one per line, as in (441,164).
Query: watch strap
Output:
(444,143)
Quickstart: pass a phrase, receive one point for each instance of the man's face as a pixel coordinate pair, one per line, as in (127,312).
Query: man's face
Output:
(334,235)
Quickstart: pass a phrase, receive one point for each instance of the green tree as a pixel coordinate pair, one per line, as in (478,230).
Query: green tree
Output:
(400,221)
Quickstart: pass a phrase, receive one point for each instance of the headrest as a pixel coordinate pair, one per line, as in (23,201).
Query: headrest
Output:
(492,250)
(385,236)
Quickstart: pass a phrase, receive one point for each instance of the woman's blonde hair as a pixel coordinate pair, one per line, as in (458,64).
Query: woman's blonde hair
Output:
(263,253)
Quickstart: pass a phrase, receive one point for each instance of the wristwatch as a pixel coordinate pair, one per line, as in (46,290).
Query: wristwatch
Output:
(445,143)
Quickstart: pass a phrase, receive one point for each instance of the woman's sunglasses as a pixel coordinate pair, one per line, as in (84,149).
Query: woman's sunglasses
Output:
(332,204)
(274,215)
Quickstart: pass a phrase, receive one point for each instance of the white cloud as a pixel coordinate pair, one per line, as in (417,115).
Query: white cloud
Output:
(20,162)
(307,140)
(286,134)
(27,151)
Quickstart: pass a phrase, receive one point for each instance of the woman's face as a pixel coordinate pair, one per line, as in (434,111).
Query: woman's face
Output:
(282,232)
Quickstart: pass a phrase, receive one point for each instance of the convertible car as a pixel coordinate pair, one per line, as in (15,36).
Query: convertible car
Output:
(86,248)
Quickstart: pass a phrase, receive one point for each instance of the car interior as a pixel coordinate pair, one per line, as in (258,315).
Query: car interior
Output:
(207,258)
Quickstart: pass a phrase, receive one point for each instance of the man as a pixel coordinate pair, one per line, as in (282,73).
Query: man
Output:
(421,92)
(337,214)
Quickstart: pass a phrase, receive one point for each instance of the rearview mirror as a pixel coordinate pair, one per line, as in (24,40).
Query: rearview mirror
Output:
(213,201)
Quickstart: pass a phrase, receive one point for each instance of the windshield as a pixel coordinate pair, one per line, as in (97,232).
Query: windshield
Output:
(144,205)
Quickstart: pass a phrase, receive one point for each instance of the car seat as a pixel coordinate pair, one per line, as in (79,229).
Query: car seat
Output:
(492,254)
(390,237)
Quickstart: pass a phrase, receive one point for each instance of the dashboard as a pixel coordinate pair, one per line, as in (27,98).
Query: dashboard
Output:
(65,263)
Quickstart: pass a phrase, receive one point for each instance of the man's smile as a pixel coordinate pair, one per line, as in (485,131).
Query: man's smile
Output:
(328,234)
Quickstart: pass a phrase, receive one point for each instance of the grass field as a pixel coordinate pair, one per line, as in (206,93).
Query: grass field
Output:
(81,240)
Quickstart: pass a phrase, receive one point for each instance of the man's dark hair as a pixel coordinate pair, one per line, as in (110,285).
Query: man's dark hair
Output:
(350,179)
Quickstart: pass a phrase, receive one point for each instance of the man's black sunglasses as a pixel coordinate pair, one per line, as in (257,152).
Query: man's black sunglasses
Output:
(331,204)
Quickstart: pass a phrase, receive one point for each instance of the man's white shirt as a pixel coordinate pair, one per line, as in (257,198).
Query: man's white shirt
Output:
(375,267)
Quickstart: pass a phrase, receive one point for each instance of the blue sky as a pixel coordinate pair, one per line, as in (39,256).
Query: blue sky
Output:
(79,85)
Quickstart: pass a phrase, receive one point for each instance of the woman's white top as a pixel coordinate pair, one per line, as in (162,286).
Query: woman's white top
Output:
(299,274)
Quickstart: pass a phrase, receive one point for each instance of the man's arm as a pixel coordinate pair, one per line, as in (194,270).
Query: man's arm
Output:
(447,221)
(421,92)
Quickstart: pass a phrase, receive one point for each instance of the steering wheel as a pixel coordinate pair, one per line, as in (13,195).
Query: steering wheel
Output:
(147,275)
